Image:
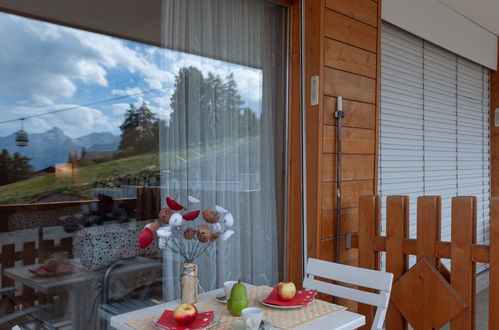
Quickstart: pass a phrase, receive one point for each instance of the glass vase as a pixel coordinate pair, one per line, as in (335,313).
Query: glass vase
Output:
(189,283)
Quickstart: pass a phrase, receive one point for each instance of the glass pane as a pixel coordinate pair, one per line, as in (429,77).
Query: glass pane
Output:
(98,130)
(225,138)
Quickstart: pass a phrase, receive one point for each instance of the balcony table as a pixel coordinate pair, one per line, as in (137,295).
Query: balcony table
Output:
(75,285)
(341,320)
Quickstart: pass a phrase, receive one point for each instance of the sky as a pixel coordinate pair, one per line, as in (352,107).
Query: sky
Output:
(46,67)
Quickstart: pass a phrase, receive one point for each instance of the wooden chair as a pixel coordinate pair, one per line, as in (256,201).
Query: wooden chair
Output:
(366,278)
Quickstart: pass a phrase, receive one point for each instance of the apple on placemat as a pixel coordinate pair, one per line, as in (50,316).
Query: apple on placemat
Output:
(286,291)
(185,314)
(184,317)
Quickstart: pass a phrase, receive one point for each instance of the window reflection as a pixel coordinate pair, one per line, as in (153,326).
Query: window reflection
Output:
(114,127)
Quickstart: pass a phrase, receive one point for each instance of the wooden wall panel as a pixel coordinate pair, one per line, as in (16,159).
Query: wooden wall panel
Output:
(362,10)
(350,31)
(349,223)
(348,55)
(349,58)
(355,167)
(355,140)
(314,66)
(347,256)
(362,115)
(349,85)
(351,191)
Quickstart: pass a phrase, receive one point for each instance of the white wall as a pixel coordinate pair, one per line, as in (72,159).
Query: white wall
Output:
(439,24)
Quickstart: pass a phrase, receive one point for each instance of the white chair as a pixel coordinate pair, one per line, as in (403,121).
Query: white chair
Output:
(366,278)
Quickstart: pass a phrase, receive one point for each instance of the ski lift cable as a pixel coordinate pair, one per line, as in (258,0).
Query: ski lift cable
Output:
(81,106)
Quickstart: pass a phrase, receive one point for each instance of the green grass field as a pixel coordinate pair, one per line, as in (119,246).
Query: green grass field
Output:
(87,177)
(80,183)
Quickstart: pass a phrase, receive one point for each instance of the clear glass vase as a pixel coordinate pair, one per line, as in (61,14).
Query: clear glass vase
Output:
(189,283)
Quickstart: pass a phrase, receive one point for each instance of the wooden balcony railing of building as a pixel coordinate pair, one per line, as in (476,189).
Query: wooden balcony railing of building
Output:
(428,295)
(7,210)
(38,248)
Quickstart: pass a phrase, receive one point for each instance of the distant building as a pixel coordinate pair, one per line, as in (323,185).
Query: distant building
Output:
(63,170)
(50,169)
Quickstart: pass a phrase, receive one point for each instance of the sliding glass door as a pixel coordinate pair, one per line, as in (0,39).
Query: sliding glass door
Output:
(224,142)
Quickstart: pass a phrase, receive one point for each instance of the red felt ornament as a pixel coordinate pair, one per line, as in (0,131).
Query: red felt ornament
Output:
(191,215)
(173,204)
(145,238)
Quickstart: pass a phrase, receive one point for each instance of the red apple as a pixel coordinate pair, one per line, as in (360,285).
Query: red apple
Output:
(286,291)
(185,314)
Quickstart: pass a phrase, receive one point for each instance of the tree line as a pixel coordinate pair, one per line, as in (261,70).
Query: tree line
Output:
(205,109)
(14,168)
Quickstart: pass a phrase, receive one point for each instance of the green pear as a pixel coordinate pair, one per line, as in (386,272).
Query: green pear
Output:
(238,299)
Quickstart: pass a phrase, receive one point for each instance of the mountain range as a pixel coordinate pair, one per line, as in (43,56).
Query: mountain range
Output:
(54,146)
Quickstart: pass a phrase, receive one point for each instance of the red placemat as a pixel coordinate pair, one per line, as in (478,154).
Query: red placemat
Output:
(167,322)
(302,297)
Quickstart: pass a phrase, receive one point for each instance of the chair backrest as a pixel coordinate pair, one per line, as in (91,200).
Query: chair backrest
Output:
(366,278)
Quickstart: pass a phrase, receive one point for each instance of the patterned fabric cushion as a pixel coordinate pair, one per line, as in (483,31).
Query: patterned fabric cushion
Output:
(36,219)
(99,246)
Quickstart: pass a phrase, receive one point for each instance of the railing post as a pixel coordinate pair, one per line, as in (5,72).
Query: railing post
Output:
(494,265)
(429,223)
(369,214)
(28,257)
(397,228)
(463,275)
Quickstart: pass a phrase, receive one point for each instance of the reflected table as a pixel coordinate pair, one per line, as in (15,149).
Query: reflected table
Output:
(52,284)
(81,287)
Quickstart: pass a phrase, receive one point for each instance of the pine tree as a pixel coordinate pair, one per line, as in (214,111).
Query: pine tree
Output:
(207,109)
(139,130)
(13,169)
(5,167)
(21,167)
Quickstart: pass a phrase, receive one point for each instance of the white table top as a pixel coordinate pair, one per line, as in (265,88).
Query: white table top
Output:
(342,320)
(50,284)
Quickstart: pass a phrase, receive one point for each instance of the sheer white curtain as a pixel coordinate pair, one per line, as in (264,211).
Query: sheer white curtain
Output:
(225,140)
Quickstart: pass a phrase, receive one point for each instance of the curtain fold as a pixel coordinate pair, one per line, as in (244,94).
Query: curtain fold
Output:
(225,140)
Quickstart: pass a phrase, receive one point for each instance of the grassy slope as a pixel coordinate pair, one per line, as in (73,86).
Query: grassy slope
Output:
(79,184)
(84,178)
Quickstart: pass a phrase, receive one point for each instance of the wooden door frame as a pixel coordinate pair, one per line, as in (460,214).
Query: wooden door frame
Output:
(293,244)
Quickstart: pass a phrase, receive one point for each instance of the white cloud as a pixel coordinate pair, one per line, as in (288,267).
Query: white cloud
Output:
(90,72)
(74,123)
(129,91)
(119,109)
(42,63)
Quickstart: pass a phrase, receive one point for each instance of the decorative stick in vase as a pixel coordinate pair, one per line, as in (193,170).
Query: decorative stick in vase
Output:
(188,237)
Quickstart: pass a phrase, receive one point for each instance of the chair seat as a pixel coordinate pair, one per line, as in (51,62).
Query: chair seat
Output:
(343,320)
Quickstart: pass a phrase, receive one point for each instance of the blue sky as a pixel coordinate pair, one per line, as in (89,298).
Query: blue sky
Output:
(48,67)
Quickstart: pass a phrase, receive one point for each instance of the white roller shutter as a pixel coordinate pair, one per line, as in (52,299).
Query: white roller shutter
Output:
(434,126)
